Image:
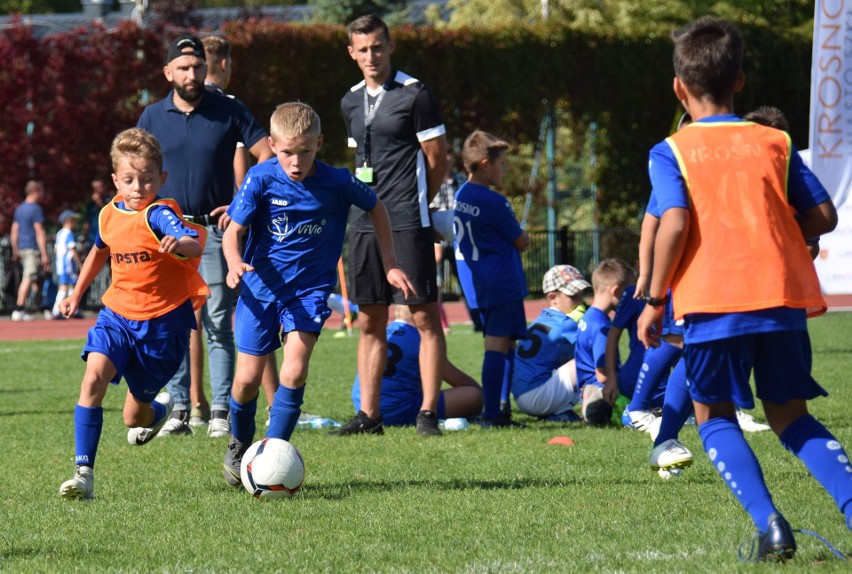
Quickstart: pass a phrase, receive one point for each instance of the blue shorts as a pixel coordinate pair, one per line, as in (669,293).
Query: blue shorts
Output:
(258,325)
(146,364)
(719,371)
(506,320)
(399,408)
(66,279)
(670,325)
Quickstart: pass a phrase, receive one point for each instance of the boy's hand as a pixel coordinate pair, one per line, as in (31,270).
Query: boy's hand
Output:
(235,274)
(68,307)
(610,390)
(650,325)
(642,285)
(168,244)
(400,280)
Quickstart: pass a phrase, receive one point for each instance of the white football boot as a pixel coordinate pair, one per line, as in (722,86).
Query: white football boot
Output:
(140,435)
(81,487)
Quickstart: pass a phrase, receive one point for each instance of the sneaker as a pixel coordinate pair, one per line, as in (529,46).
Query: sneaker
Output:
(81,487)
(427,424)
(21,316)
(220,424)
(360,424)
(777,543)
(670,473)
(748,424)
(177,424)
(671,454)
(501,421)
(199,416)
(233,459)
(141,435)
(645,421)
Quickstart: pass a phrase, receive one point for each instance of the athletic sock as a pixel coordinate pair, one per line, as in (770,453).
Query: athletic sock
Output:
(493,370)
(284,415)
(733,458)
(61,294)
(825,458)
(506,389)
(650,383)
(677,405)
(88,422)
(242,419)
(160,411)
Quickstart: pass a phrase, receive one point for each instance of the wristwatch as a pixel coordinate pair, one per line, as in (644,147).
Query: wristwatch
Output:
(657,301)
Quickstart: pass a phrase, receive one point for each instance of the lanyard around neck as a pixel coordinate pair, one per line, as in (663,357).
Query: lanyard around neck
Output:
(369,116)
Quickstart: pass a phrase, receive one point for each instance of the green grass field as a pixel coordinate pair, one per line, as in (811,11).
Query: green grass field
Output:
(471,501)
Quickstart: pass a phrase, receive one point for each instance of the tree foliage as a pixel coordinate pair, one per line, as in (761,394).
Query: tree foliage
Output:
(344,11)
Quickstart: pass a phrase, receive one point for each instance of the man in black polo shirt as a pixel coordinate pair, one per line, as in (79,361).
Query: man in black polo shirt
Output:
(401,151)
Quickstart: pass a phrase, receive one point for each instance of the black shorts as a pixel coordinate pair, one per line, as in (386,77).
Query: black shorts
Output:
(415,254)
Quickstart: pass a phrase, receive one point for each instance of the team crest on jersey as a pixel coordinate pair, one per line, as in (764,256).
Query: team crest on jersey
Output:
(582,325)
(279,227)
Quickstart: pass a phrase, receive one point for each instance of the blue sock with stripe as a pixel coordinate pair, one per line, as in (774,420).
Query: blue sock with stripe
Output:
(735,462)
(506,390)
(652,375)
(88,422)
(825,458)
(284,415)
(243,426)
(159,412)
(493,370)
(677,405)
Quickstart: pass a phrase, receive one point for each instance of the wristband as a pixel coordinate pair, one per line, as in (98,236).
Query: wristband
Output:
(656,301)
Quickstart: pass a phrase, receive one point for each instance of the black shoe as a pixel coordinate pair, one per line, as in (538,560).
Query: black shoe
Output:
(233,459)
(777,543)
(360,424)
(427,424)
(502,421)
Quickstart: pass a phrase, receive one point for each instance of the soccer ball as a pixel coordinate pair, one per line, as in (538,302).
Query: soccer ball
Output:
(272,468)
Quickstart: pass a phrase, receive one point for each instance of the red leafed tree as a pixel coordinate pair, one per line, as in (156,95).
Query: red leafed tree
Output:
(64,97)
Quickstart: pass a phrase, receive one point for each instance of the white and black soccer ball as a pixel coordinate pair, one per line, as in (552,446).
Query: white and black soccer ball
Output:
(272,468)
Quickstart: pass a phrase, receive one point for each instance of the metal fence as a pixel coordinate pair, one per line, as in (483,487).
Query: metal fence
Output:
(582,249)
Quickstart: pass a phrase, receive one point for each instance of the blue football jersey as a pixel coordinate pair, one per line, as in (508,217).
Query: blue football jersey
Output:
(590,347)
(490,268)
(626,315)
(296,229)
(549,345)
(401,379)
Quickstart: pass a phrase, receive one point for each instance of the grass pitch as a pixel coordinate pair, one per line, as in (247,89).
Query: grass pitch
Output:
(471,501)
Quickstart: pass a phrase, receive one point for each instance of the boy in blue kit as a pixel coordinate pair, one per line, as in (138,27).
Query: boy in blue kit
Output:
(294,209)
(722,183)
(489,242)
(68,261)
(142,333)
(402,392)
(544,378)
(598,391)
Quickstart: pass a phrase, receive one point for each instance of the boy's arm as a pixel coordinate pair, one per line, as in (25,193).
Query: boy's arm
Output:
(611,374)
(231,249)
(41,241)
(650,223)
(455,377)
(819,220)
(15,234)
(522,242)
(91,267)
(395,275)
(668,250)
(435,152)
(186,246)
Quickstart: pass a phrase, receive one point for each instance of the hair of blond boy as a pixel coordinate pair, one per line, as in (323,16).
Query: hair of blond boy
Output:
(136,142)
(708,57)
(294,119)
(481,145)
(612,272)
(216,48)
(769,116)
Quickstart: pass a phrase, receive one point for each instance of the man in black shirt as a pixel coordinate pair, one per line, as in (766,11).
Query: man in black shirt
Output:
(395,125)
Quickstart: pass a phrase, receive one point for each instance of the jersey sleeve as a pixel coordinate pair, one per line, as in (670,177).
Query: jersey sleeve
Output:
(504,220)
(804,190)
(245,203)
(669,187)
(628,310)
(426,116)
(164,221)
(359,193)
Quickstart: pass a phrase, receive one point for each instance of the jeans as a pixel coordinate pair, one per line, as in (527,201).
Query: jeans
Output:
(216,317)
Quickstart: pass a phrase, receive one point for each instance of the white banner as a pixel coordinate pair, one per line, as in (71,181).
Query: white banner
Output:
(831,135)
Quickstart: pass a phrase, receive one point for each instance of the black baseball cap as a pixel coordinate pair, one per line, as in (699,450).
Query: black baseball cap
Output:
(185,45)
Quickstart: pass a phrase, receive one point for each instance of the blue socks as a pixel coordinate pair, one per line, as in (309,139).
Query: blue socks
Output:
(242,419)
(493,371)
(285,412)
(677,405)
(733,458)
(825,458)
(652,375)
(159,412)
(88,422)
(506,390)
